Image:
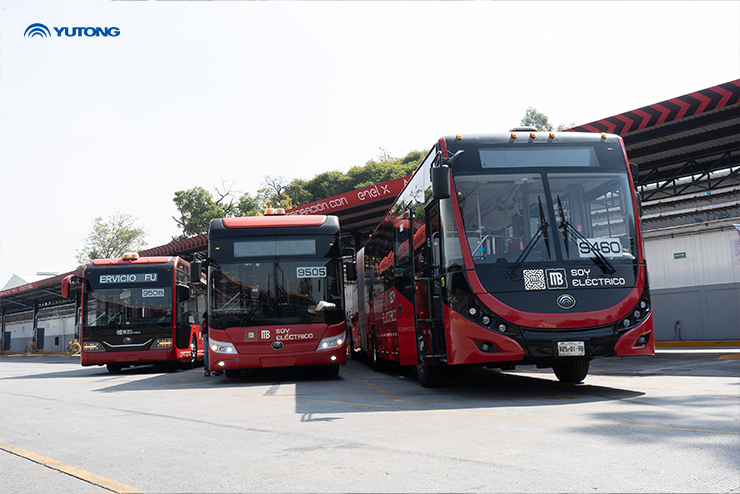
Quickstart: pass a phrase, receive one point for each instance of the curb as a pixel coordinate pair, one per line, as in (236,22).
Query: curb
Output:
(683,344)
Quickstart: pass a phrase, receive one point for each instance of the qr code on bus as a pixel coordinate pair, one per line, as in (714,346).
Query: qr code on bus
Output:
(534,279)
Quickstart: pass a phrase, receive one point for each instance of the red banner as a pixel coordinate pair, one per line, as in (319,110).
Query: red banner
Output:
(360,196)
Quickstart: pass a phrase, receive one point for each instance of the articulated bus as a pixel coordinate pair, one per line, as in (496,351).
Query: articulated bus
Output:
(275,293)
(138,311)
(506,249)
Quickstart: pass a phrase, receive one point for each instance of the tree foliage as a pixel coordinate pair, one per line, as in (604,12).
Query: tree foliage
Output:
(540,121)
(112,238)
(333,183)
(273,193)
(537,120)
(198,207)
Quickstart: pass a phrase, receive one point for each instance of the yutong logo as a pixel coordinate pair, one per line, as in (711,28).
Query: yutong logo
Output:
(37,30)
(566,301)
(70,32)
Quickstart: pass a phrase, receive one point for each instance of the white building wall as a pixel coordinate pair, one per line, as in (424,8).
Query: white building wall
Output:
(59,329)
(711,258)
(694,274)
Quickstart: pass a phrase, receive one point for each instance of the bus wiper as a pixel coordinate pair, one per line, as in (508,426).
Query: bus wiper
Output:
(249,315)
(599,259)
(563,228)
(541,232)
(301,309)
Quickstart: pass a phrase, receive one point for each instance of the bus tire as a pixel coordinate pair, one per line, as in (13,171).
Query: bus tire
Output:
(430,376)
(378,363)
(114,368)
(193,354)
(571,372)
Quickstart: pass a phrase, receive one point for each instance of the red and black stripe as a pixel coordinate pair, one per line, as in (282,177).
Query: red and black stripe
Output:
(688,105)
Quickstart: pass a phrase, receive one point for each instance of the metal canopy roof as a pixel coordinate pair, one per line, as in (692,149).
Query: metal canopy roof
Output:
(39,295)
(684,146)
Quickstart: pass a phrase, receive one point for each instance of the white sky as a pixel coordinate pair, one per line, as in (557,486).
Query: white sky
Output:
(199,93)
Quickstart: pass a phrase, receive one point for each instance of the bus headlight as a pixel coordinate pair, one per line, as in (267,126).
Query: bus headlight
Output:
(221,347)
(92,346)
(331,342)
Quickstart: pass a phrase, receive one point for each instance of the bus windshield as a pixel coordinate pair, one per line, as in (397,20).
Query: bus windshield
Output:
(565,216)
(255,286)
(128,306)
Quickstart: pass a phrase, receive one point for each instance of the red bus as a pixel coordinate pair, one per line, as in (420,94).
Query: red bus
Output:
(138,311)
(275,293)
(506,249)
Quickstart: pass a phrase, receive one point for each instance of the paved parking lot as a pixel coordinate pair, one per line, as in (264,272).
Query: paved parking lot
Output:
(669,423)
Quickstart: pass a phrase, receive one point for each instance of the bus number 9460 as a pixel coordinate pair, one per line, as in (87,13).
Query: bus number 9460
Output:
(319,272)
(609,247)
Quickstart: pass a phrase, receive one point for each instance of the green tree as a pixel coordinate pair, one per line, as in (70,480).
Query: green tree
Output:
(535,119)
(112,238)
(197,208)
(273,193)
(327,184)
(248,206)
(540,121)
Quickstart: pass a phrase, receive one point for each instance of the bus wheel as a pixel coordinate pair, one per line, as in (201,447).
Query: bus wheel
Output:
(571,372)
(378,363)
(430,376)
(114,368)
(193,354)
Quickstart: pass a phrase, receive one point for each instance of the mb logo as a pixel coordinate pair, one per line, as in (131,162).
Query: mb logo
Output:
(556,278)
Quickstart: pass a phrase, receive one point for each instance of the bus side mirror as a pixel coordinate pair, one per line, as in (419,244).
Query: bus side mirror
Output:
(348,252)
(195,268)
(441,182)
(352,271)
(65,285)
(183,293)
(634,170)
(639,204)
(69,283)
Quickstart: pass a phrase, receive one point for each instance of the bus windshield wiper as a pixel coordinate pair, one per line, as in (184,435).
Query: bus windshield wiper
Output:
(541,232)
(301,309)
(249,315)
(598,258)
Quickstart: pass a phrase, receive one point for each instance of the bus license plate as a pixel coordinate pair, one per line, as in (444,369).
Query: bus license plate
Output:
(571,349)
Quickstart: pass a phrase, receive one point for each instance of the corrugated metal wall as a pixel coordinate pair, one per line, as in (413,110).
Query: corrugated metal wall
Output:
(694,274)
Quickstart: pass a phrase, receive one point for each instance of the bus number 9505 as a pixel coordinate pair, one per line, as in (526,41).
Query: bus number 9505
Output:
(315,272)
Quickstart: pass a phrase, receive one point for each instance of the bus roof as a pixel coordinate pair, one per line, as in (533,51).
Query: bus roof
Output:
(274,221)
(526,136)
(267,225)
(126,262)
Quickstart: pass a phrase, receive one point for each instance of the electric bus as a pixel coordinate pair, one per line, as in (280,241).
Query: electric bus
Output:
(275,293)
(137,311)
(508,249)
